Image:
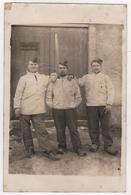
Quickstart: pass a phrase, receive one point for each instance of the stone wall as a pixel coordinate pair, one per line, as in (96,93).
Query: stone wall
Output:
(105,41)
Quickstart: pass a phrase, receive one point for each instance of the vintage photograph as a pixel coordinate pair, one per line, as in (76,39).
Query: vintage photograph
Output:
(64,93)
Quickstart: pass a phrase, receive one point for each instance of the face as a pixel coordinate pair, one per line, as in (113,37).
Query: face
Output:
(33,67)
(96,67)
(62,70)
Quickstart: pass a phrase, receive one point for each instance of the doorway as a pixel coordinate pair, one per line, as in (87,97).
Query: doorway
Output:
(51,45)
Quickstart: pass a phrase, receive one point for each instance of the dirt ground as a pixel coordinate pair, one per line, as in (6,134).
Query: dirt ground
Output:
(94,164)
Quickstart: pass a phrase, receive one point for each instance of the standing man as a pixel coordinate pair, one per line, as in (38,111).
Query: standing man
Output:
(64,97)
(29,105)
(99,99)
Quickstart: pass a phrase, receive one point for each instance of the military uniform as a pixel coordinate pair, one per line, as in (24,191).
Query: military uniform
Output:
(63,97)
(99,93)
(30,98)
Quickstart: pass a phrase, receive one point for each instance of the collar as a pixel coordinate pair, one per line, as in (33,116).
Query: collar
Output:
(62,77)
(31,73)
(97,74)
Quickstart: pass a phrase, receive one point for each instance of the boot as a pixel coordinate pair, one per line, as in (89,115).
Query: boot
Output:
(32,151)
(50,155)
(29,152)
(94,148)
(110,150)
(53,157)
(81,153)
(60,151)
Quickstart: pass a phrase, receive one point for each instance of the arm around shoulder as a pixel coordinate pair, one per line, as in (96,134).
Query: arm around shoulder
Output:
(78,98)
(19,92)
(82,80)
(49,95)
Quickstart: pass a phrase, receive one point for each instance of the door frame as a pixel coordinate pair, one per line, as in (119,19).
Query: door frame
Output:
(66,25)
(51,25)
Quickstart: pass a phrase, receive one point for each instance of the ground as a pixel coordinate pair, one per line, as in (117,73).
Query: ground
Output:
(94,164)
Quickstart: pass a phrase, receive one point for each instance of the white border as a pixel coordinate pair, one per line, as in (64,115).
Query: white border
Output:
(129,77)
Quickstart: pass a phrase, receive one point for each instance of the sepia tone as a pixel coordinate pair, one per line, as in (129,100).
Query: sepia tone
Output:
(79,41)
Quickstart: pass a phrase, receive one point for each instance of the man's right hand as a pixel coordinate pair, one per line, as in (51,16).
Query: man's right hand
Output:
(17,112)
(70,77)
(53,77)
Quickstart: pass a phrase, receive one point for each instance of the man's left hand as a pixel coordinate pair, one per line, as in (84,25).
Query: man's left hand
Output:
(107,108)
(53,77)
(70,77)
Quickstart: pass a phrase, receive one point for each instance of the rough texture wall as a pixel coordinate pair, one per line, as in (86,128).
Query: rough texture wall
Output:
(109,48)
(107,44)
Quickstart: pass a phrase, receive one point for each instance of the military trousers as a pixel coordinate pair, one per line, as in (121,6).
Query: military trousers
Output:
(41,132)
(98,118)
(66,118)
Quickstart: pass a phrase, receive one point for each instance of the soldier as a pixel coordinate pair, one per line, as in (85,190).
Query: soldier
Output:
(99,99)
(63,96)
(29,105)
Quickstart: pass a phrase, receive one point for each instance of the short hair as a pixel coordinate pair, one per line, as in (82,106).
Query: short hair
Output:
(65,63)
(97,60)
(34,60)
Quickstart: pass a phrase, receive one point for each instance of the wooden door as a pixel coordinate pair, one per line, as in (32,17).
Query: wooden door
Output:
(71,44)
(51,45)
(27,42)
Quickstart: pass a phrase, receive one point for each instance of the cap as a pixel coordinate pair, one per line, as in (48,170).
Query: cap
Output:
(35,60)
(65,63)
(98,60)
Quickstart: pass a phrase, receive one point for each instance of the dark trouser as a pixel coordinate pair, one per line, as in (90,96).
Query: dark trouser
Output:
(42,134)
(63,118)
(97,116)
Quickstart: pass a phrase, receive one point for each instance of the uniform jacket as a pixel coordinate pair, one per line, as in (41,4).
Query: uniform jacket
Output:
(63,94)
(99,89)
(30,93)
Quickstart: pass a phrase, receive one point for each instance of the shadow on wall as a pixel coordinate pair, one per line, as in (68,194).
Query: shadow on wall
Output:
(116,116)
